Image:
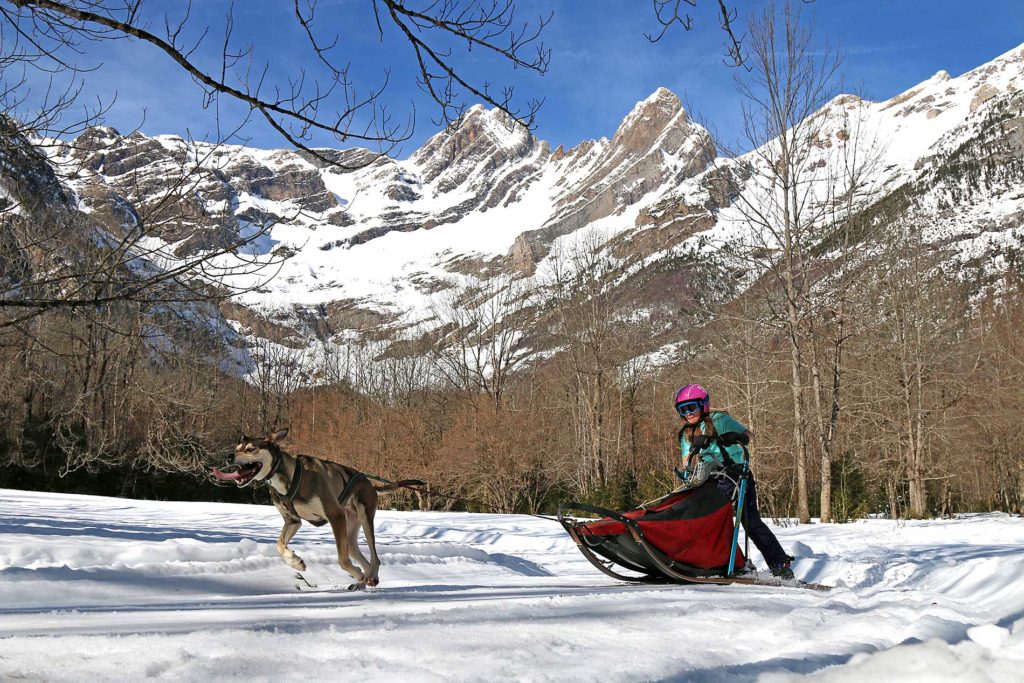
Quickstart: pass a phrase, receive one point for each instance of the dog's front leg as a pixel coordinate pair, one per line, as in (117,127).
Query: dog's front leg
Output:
(291,525)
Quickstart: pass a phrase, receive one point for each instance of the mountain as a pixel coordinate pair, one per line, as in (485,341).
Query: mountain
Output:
(365,253)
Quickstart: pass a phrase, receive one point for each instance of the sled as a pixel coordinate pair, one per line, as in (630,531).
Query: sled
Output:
(685,537)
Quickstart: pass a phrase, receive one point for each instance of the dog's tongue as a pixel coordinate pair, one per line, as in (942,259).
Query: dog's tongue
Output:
(227,476)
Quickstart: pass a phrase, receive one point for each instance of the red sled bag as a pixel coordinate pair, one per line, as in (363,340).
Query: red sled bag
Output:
(685,534)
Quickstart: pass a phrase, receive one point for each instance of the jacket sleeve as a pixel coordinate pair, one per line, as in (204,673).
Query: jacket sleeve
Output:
(727,423)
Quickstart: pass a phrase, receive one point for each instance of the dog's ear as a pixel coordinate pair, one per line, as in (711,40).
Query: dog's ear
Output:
(278,435)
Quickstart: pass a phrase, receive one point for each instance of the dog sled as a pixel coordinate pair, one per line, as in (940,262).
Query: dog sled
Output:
(689,536)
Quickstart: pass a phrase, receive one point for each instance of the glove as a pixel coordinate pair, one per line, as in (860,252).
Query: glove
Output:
(733,438)
(734,471)
(699,443)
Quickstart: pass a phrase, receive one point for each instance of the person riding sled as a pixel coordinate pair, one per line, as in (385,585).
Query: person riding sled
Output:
(717,436)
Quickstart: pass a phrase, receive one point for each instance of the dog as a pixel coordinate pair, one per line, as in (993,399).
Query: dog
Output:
(319,492)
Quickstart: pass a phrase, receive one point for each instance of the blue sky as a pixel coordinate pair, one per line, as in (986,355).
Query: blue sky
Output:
(601,63)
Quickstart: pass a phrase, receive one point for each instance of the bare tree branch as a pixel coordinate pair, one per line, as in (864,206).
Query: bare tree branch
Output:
(667,13)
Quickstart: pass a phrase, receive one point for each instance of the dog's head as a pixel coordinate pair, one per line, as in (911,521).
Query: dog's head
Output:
(254,457)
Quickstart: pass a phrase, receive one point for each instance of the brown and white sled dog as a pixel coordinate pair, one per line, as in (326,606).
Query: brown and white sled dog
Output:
(318,491)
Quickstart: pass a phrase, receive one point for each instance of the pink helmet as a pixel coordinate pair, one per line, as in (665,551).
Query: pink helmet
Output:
(693,394)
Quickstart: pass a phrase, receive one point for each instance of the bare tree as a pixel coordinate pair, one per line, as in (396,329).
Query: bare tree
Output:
(64,258)
(57,257)
(485,330)
(123,388)
(324,100)
(921,311)
(587,324)
(844,241)
(788,83)
(668,14)
(278,371)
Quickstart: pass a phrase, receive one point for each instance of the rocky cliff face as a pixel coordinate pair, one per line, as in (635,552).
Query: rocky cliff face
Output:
(196,196)
(656,145)
(366,251)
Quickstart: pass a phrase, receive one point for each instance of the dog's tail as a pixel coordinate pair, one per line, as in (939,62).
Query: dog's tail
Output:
(404,483)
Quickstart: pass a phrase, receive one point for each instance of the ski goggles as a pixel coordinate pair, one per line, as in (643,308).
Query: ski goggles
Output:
(689,407)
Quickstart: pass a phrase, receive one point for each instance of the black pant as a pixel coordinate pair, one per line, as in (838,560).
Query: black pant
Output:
(755,527)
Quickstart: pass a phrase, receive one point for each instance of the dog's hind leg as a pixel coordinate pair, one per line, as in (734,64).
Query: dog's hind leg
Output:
(353,545)
(339,526)
(366,512)
(291,525)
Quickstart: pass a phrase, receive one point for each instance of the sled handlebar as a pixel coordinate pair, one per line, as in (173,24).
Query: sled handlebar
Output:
(733,439)
(700,441)
(593,509)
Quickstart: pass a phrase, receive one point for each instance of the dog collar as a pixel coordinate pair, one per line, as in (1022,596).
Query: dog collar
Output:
(293,485)
(274,464)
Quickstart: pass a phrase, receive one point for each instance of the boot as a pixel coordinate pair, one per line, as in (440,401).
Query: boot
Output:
(783,570)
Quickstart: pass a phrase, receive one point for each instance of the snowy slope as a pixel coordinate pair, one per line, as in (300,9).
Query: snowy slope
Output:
(108,589)
(900,136)
(366,252)
(377,235)
(896,142)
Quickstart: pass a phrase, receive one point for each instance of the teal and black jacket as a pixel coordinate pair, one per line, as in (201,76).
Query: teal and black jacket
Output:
(715,451)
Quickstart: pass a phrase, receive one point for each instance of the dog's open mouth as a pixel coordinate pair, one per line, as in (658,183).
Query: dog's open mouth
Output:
(242,476)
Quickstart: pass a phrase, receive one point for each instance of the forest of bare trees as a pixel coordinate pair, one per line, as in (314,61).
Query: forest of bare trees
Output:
(875,380)
(925,420)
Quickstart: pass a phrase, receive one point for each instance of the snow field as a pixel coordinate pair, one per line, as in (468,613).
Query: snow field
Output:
(106,589)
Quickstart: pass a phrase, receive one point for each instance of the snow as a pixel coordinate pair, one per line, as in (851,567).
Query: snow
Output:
(110,589)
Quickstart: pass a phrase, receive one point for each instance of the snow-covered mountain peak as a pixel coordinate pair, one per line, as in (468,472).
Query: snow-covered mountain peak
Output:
(483,198)
(1002,74)
(97,137)
(653,115)
(942,100)
(478,125)
(481,134)
(661,98)
(501,128)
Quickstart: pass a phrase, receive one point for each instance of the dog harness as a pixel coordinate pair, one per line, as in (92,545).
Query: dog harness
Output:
(293,486)
(347,491)
(296,482)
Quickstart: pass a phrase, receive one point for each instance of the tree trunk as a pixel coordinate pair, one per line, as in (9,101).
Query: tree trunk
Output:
(827,429)
(915,471)
(823,440)
(891,489)
(800,448)
(914,394)
(1020,485)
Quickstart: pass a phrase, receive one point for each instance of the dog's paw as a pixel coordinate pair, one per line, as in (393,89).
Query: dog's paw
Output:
(373,582)
(296,563)
(357,586)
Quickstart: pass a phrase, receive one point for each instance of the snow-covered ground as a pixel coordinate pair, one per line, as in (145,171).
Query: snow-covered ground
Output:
(109,589)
